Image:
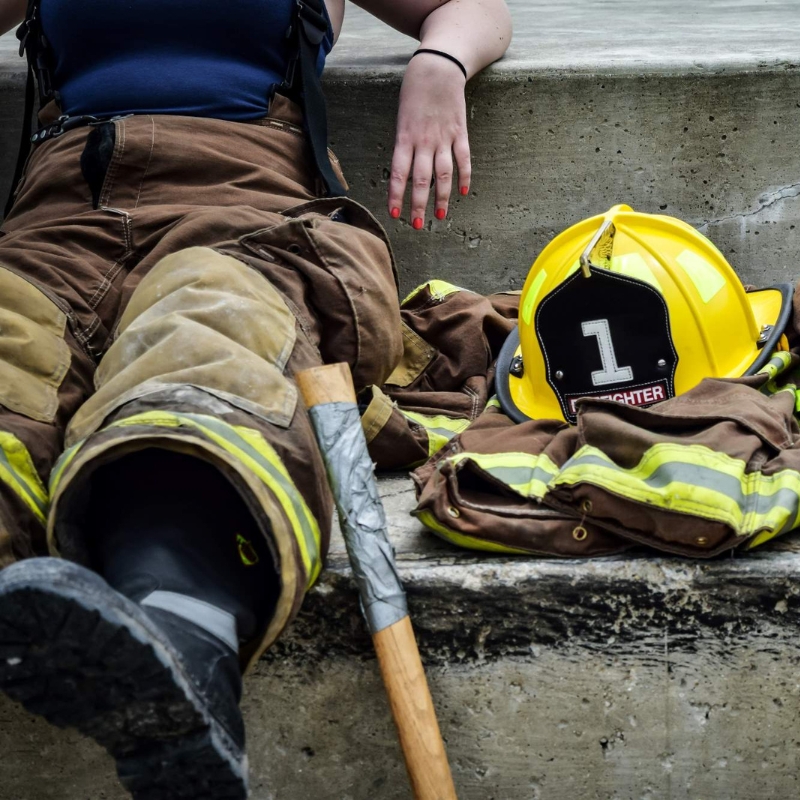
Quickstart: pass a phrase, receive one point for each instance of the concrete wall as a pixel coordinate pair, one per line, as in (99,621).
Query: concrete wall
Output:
(720,151)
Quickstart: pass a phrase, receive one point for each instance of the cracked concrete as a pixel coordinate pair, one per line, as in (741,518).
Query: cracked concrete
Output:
(765,201)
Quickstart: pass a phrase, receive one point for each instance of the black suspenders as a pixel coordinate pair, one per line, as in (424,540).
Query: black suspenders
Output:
(35,47)
(308,29)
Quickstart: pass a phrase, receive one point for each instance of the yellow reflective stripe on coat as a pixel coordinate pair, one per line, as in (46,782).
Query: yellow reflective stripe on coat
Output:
(695,480)
(252,450)
(788,388)
(19,474)
(440,429)
(438,289)
(63,462)
(527,475)
(462,540)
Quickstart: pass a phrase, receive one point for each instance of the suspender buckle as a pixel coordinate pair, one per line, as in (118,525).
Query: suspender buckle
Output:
(23,32)
(63,124)
(30,22)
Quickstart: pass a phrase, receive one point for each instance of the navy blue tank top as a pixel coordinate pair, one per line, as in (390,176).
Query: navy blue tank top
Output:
(209,58)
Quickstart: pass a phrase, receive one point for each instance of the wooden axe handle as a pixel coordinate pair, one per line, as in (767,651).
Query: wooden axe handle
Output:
(395,646)
(413,712)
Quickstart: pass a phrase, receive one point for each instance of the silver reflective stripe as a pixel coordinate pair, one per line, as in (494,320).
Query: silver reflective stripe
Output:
(518,476)
(216,621)
(704,477)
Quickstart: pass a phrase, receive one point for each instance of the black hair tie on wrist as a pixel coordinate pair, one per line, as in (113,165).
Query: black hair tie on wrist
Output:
(443,55)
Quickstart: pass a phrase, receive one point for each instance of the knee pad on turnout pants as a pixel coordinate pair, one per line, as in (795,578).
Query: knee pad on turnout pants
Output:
(34,362)
(201,348)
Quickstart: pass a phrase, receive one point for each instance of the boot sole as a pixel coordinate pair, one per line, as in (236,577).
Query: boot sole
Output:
(75,652)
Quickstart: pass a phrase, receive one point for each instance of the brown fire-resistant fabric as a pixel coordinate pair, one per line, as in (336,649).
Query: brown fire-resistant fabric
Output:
(234,274)
(231,327)
(451,340)
(447,368)
(472,503)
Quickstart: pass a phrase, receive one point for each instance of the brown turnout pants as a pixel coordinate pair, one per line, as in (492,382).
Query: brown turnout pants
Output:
(167,303)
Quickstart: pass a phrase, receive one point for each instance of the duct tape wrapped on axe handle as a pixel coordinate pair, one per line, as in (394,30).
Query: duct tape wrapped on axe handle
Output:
(337,427)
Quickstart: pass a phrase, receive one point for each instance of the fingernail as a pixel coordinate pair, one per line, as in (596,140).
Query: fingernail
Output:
(417,223)
(440,213)
(395,212)
(464,190)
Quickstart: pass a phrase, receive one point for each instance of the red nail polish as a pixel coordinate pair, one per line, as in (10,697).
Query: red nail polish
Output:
(465,190)
(395,213)
(440,213)
(417,223)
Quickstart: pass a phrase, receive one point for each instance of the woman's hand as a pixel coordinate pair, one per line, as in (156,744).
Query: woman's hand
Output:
(431,137)
(432,121)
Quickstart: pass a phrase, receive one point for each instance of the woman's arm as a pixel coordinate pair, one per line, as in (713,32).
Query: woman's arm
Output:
(432,118)
(12,12)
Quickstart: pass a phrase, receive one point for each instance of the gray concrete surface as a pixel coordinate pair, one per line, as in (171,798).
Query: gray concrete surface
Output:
(616,679)
(606,36)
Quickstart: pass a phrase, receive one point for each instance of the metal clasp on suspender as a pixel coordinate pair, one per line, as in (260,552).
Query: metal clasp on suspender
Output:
(66,123)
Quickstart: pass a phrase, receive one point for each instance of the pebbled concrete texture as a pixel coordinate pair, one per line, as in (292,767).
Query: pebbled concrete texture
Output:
(689,109)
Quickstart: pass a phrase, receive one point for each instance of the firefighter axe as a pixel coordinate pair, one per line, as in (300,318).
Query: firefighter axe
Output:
(330,398)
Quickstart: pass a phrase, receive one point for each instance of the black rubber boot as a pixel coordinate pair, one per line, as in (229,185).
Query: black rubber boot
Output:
(161,697)
(85,650)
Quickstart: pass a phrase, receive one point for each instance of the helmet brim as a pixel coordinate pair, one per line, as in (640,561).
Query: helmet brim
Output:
(503,378)
(771,307)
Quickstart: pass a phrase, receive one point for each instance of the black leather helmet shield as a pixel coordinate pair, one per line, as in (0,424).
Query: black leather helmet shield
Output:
(606,336)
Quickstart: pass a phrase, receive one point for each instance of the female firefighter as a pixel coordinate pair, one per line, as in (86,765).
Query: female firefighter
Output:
(177,248)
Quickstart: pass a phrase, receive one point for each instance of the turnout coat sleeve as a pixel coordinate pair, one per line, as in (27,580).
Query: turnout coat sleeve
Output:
(451,339)
(714,469)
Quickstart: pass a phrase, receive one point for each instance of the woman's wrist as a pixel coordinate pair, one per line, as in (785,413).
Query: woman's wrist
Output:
(435,68)
(442,54)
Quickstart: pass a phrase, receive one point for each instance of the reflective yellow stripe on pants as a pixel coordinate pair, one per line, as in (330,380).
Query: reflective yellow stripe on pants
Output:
(462,540)
(440,429)
(19,474)
(527,475)
(250,449)
(438,290)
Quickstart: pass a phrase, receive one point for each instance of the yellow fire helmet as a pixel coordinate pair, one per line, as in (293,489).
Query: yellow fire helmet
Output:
(635,308)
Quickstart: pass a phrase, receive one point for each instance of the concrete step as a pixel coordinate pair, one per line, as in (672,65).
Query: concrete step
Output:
(687,108)
(616,679)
